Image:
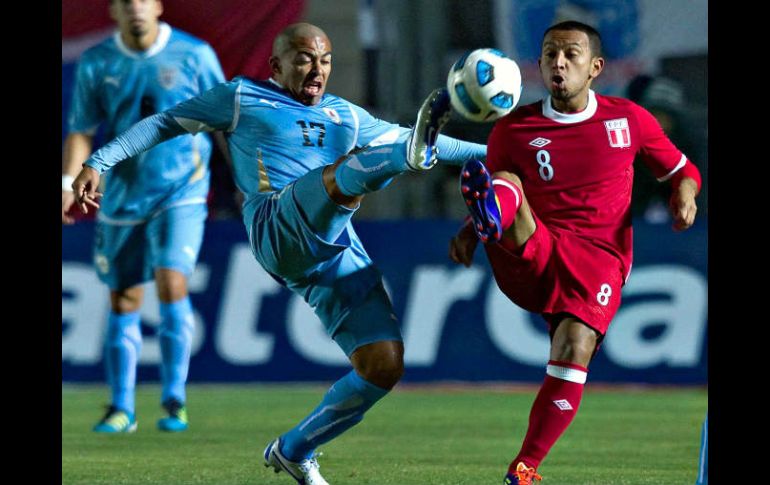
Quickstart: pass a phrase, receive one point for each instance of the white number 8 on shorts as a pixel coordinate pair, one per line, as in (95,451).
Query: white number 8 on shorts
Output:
(603,297)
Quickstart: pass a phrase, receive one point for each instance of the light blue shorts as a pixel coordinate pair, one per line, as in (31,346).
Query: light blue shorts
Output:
(303,238)
(128,254)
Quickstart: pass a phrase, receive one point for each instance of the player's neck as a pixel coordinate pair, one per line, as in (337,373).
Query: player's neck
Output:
(572,105)
(141,42)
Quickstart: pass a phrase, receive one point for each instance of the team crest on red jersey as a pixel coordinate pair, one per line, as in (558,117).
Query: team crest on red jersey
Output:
(618,133)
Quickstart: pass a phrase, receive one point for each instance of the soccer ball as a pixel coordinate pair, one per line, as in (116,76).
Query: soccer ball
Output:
(484,85)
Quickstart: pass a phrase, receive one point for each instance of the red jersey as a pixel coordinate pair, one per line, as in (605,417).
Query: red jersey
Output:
(577,169)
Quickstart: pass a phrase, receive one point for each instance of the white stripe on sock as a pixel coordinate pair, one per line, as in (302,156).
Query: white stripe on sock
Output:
(567,374)
(510,186)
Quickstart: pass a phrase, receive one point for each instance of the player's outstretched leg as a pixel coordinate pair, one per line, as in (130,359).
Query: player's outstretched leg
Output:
(305,472)
(492,201)
(124,342)
(421,151)
(393,153)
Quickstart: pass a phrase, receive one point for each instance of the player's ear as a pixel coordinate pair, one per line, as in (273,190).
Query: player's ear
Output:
(275,64)
(597,64)
(158,8)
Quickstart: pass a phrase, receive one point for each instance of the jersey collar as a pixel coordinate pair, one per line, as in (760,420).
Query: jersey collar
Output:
(587,113)
(164,33)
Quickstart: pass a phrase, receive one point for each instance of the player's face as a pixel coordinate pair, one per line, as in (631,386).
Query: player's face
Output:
(136,17)
(567,65)
(304,68)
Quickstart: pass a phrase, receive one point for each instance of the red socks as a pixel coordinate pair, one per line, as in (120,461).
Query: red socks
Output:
(508,200)
(552,412)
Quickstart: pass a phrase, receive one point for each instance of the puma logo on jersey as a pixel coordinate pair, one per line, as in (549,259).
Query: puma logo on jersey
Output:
(540,142)
(114,80)
(274,104)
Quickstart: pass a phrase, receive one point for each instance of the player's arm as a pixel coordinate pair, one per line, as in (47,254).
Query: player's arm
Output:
(463,244)
(685,184)
(456,152)
(77,148)
(210,111)
(85,115)
(668,163)
(140,137)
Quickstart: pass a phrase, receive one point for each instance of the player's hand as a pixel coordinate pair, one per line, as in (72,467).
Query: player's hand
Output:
(85,186)
(67,199)
(463,245)
(682,204)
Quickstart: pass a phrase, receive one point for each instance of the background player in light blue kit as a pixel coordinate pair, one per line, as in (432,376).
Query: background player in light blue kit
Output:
(304,160)
(152,216)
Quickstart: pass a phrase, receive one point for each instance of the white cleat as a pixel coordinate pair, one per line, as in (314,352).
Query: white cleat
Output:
(305,472)
(421,150)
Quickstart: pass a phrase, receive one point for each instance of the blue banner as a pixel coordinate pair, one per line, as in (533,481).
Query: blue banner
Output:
(456,324)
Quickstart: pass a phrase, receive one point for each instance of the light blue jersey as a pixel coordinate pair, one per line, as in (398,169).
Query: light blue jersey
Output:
(274,139)
(279,148)
(119,86)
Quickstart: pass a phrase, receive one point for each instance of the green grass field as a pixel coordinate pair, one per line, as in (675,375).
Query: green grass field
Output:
(415,436)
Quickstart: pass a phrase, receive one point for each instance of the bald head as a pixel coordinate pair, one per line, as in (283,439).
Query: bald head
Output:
(302,61)
(290,37)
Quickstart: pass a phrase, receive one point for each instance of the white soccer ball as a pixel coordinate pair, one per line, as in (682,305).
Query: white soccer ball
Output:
(484,85)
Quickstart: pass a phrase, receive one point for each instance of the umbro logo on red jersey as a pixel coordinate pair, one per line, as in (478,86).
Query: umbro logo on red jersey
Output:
(540,142)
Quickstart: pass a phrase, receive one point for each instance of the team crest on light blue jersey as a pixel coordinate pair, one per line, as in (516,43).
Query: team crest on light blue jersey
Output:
(167,76)
(333,115)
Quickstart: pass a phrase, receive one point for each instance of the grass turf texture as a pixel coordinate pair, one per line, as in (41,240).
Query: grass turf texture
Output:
(415,436)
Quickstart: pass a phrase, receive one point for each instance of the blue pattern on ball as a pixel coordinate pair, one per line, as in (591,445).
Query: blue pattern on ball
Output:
(485,72)
(465,99)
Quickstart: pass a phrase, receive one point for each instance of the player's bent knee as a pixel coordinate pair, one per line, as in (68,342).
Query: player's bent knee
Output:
(128,300)
(330,184)
(380,363)
(384,373)
(574,342)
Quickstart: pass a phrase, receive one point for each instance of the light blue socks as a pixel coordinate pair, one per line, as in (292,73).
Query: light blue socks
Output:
(124,342)
(176,332)
(342,407)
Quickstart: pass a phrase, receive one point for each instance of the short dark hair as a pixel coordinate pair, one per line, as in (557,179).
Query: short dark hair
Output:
(594,39)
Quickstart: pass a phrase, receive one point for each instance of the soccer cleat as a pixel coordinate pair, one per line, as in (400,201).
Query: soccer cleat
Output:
(476,188)
(521,475)
(177,416)
(421,150)
(116,421)
(305,472)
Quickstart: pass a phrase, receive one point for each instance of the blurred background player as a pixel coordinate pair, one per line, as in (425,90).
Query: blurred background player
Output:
(664,98)
(552,206)
(289,143)
(151,221)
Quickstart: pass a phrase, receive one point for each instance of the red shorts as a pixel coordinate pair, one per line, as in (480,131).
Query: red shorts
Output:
(559,272)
